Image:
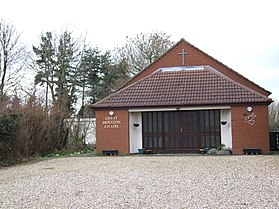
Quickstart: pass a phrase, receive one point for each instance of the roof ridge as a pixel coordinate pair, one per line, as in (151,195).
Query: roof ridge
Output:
(233,81)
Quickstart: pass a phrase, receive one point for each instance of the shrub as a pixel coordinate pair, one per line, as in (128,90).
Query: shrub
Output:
(212,151)
(30,130)
(9,126)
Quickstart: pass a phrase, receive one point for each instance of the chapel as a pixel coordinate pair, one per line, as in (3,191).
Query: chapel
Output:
(183,102)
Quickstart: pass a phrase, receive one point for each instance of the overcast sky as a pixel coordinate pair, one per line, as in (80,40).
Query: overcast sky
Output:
(242,34)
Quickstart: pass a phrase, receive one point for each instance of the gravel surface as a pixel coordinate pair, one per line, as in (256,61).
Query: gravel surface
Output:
(143,182)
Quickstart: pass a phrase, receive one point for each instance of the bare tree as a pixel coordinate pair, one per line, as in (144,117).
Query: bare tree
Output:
(12,53)
(274,116)
(142,50)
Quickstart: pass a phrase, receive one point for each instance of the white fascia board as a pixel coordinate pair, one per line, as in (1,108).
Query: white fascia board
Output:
(152,109)
(206,108)
(179,108)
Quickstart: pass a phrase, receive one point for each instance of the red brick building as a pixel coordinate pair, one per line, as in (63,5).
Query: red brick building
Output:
(184,101)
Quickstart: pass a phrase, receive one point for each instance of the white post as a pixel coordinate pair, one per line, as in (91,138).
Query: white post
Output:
(135,131)
(226,130)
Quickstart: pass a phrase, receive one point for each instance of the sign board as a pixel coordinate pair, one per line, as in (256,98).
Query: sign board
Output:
(111,121)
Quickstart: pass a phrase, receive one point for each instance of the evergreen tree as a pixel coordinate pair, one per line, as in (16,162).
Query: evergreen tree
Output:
(58,67)
(89,76)
(66,71)
(46,61)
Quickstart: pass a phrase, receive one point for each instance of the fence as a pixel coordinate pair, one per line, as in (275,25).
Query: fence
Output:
(274,141)
(85,126)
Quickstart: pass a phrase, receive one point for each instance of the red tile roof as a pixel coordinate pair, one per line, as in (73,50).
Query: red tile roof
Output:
(182,86)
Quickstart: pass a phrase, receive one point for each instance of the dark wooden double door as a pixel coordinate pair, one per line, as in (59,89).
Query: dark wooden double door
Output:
(181,131)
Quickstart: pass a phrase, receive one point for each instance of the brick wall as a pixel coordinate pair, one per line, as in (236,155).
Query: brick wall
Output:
(112,133)
(195,57)
(245,135)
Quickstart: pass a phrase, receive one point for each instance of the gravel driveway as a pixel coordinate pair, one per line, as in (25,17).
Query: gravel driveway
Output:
(143,182)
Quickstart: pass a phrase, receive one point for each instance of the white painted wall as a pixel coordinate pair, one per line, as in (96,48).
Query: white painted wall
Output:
(87,128)
(226,130)
(135,132)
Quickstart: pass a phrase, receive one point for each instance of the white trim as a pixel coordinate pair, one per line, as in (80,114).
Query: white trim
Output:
(135,135)
(206,108)
(179,68)
(180,108)
(226,130)
(152,109)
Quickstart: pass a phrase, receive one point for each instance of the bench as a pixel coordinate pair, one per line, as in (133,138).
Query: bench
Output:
(252,151)
(110,152)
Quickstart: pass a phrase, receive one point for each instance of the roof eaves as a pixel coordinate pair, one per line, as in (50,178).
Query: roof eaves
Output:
(186,105)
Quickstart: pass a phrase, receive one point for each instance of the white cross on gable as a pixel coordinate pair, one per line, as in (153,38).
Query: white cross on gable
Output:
(183,53)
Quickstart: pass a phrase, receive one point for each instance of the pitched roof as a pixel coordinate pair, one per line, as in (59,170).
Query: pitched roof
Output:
(229,70)
(182,86)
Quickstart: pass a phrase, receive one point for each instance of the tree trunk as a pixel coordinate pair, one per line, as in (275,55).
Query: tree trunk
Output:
(3,76)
